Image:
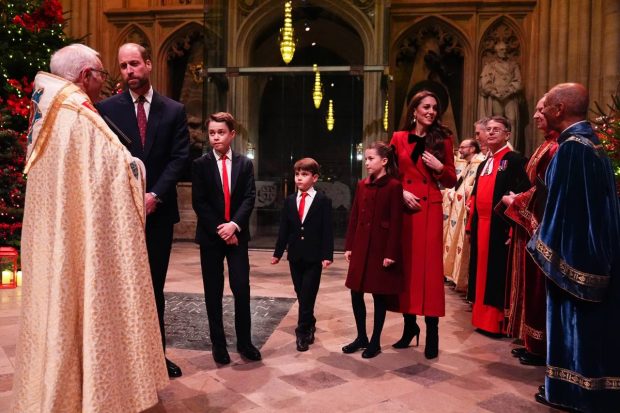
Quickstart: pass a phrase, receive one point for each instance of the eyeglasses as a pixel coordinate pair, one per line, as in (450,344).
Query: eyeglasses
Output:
(104,73)
(465,146)
(495,130)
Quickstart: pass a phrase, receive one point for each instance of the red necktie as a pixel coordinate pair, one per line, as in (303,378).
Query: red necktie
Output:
(142,119)
(226,189)
(302,205)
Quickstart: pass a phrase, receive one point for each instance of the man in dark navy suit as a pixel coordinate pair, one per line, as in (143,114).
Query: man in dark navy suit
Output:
(157,129)
(223,195)
(306,227)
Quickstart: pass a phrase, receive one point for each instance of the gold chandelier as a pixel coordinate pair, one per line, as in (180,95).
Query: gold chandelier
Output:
(330,116)
(317,92)
(385,116)
(287,42)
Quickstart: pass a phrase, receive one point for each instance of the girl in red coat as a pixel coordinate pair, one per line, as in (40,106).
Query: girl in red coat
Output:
(425,163)
(372,245)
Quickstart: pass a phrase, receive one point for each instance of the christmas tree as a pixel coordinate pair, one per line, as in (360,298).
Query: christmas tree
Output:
(30,31)
(607,127)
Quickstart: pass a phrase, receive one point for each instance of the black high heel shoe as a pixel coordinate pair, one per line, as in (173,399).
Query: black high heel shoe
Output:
(410,330)
(357,344)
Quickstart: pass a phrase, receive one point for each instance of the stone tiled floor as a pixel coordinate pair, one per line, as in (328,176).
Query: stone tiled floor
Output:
(473,373)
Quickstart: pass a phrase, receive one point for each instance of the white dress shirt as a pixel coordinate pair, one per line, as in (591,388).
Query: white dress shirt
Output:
(148,96)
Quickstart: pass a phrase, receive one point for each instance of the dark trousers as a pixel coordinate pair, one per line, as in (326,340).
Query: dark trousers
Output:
(306,279)
(212,264)
(158,245)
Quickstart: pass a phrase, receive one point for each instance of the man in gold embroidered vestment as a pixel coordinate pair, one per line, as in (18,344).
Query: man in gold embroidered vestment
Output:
(89,339)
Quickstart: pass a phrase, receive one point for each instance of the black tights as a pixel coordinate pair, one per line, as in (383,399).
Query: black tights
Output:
(359,311)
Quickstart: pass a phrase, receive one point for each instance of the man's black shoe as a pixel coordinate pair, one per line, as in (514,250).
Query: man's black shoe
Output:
(173,369)
(249,352)
(541,389)
(302,343)
(540,398)
(530,359)
(220,355)
(518,351)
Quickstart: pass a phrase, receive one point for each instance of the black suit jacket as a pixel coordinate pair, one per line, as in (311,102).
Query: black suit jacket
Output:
(311,241)
(208,196)
(166,150)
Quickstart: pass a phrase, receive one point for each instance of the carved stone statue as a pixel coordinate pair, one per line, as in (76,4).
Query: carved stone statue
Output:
(500,85)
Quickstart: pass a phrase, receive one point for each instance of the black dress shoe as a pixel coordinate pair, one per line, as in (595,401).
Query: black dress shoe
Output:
(357,344)
(302,343)
(529,359)
(371,351)
(540,398)
(249,352)
(541,389)
(220,355)
(518,351)
(173,369)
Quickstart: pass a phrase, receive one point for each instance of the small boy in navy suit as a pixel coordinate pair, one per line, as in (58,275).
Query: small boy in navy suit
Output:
(306,227)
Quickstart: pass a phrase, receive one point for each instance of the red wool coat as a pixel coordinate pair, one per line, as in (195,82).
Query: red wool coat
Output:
(422,236)
(374,233)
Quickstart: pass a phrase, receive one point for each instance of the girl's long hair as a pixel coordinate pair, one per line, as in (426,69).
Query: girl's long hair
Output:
(386,151)
(436,133)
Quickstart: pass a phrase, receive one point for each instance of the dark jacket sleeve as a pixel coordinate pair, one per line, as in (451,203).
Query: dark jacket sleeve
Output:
(179,154)
(200,199)
(242,214)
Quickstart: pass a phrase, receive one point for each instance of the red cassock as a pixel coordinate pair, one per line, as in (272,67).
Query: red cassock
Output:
(422,236)
(525,286)
(374,233)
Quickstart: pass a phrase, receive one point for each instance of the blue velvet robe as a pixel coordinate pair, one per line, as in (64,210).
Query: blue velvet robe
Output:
(578,246)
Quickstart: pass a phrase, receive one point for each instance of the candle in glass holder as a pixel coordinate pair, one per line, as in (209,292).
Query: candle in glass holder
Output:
(7,276)
(19,278)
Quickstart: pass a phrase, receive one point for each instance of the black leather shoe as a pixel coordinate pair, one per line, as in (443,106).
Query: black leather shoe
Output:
(541,389)
(529,359)
(540,398)
(173,369)
(249,352)
(220,355)
(302,343)
(357,344)
(518,352)
(371,351)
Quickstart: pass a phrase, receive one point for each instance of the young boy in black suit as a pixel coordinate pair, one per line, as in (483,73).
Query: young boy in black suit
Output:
(306,227)
(223,194)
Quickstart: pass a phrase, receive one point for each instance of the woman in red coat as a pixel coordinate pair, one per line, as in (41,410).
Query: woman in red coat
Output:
(425,163)
(373,244)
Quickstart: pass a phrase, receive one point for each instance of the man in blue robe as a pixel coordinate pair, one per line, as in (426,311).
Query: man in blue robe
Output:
(578,247)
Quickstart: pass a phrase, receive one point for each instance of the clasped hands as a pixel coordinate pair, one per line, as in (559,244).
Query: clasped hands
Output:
(227,231)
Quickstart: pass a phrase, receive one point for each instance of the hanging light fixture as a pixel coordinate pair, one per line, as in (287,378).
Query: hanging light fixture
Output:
(317,91)
(330,115)
(386,116)
(359,151)
(287,42)
(250,151)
